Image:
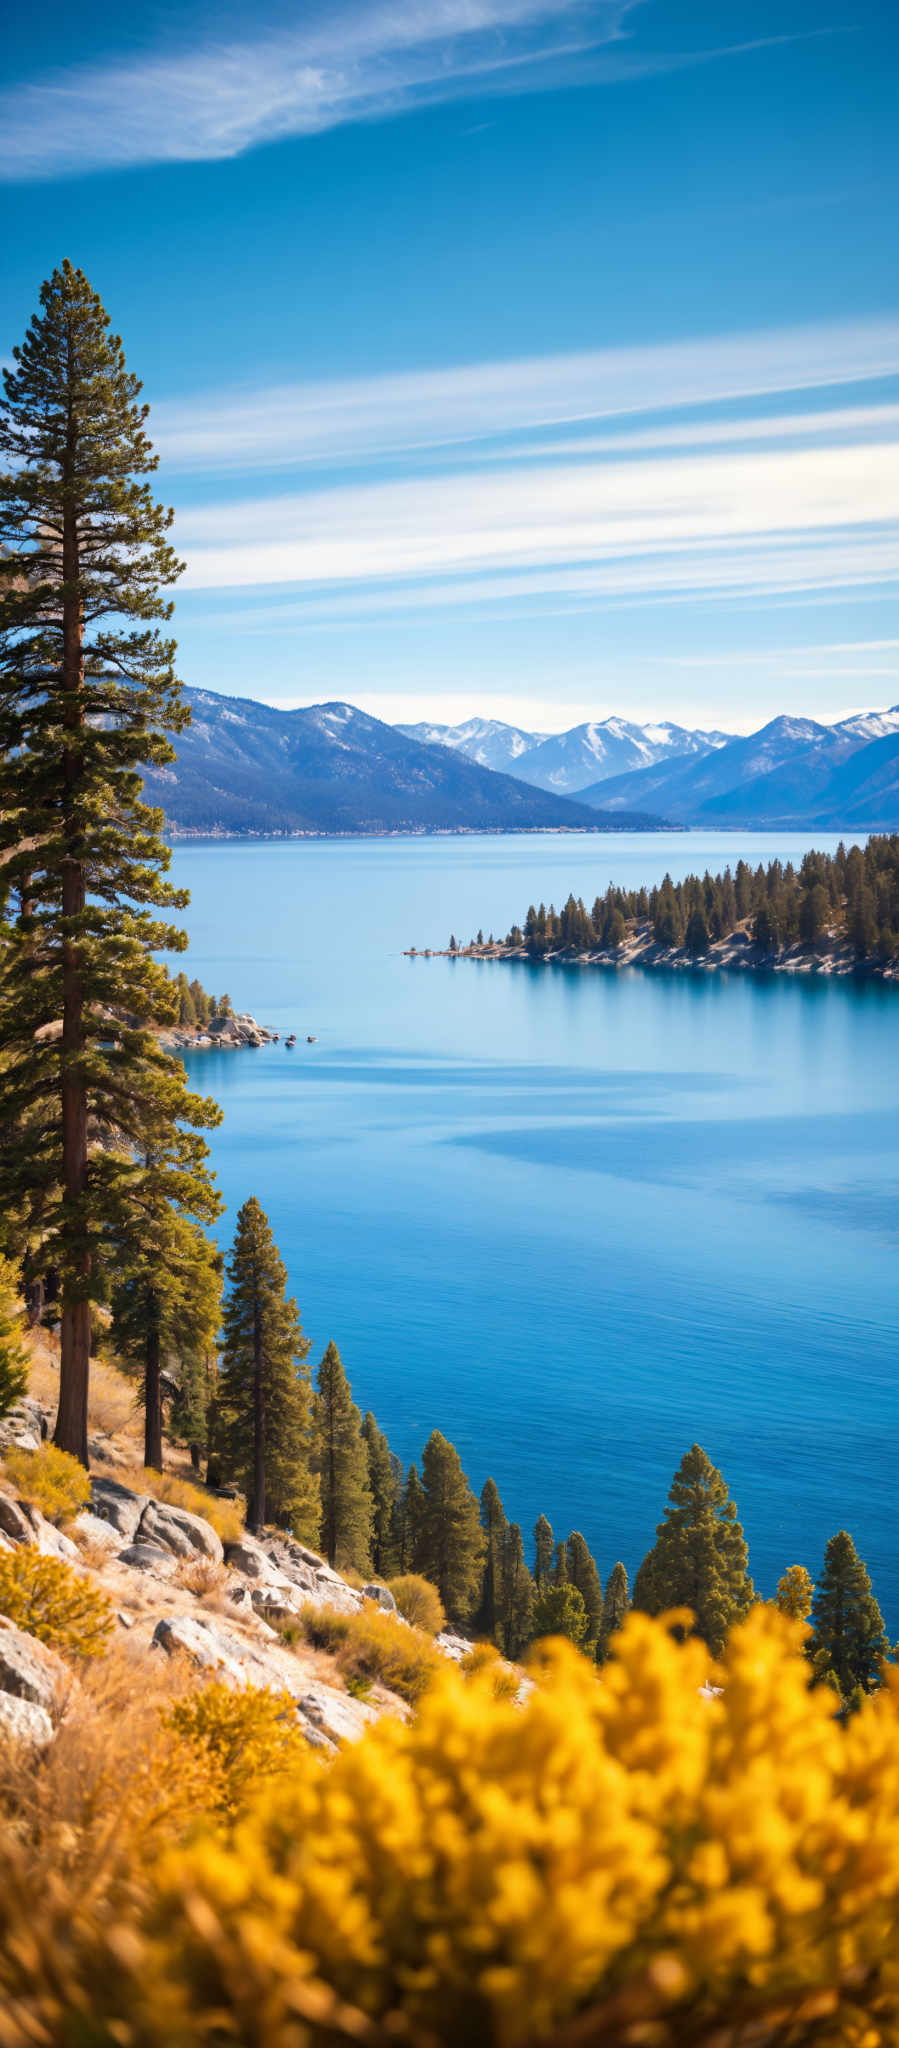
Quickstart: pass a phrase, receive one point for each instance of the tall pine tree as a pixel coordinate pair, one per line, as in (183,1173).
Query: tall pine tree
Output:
(543,1547)
(848,1634)
(491,1608)
(451,1541)
(519,1594)
(263,1390)
(615,1605)
(166,1285)
(583,1574)
(699,1559)
(341,1458)
(87,693)
(385,1479)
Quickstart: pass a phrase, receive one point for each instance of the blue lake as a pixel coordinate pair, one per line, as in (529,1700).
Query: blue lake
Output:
(576,1219)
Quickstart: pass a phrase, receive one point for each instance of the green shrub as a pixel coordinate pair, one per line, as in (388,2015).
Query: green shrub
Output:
(371,1645)
(44,1596)
(419,1602)
(49,1479)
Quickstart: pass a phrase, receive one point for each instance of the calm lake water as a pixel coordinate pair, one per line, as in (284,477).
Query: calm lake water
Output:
(576,1219)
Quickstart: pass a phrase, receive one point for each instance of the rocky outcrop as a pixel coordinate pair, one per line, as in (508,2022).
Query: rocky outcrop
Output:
(22,1722)
(186,1534)
(24,1425)
(28,1670)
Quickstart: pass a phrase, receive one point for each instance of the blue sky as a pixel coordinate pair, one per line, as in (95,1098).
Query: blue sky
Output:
(533,357)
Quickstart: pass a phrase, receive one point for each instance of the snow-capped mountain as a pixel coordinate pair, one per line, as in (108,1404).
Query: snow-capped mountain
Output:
(485,740)
(792,772)
(568,761)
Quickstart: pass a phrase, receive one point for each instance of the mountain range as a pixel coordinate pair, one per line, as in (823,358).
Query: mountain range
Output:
(793,772)
(567,762)
(249,768)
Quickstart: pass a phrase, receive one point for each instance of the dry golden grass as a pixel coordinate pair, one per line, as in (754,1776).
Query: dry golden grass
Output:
(202,1577)
(370,1646)
(227,1517)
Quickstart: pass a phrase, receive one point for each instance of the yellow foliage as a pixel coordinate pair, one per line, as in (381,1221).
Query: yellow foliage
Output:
(484,1662)
(618,1861)
(372,1645)
(49,1479)
(418,1601)
(243,1738)
(227,1517)
(44,1596)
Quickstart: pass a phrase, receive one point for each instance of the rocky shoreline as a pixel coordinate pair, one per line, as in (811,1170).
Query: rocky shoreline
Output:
(233,1031)
(737,953)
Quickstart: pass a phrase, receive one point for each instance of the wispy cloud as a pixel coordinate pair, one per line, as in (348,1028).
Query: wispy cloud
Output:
(684,522)
(216,98)
(346,62)
(355,419)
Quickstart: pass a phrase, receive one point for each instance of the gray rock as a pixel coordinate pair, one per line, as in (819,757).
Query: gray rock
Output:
(382,1595)
(273,1603)
(96,1529)
(21,1721)
(14,1521)
(249,1557)
(208,1647)
(186,1534)
(23,1425)
(118,1505)
(335,1714)
(452,1646)
(53,1542)
(148,1557)
(28,1670)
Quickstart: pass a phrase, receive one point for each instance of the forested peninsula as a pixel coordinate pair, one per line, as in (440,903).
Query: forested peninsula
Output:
(833,914)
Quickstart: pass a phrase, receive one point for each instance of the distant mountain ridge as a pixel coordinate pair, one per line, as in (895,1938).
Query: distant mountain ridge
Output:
(793,773)
(568,762)
(245,768)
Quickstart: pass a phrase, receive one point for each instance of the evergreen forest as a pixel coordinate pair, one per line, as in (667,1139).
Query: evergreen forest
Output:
(846,899)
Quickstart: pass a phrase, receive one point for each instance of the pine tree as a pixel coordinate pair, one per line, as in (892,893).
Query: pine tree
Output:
(559,1573)
(87,692)
(489,1616)
(263,1391)
(795,1593)
(615,1607)
(583,1574)
(699,1559)
(341,1457)
(13,1361)
(190,1404)
(560,1611)
(849,1638)
(543,1542)
(166,1297)
(407,1521)
(385,1479)
(519,1594)
(451,1542)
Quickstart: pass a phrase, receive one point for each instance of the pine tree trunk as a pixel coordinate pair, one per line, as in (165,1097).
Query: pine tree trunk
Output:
(257,1506)
(74,1364)
(152,1401)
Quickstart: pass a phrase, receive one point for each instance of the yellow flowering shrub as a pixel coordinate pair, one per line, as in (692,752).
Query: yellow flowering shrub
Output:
(372,1645)
(617,1862)
(48,1479)
(418,1601)
(44,1596)
(243,1738)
